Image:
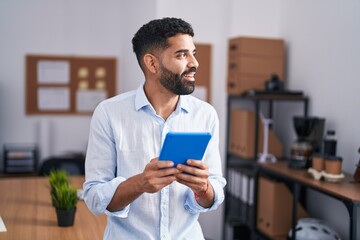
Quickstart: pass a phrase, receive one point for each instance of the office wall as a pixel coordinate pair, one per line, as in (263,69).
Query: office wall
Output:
(323,52)
(323,60)
(323,56)
(79,28)
(255,18)
(88,28)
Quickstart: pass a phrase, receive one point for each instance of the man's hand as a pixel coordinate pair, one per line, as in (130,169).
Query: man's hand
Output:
(195,175)
(157,175)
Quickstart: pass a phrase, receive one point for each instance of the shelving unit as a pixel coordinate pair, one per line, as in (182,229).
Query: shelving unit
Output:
(346,192)
(242,173)
(20,158)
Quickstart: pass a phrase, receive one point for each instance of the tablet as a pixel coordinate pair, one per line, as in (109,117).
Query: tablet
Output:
(181,146)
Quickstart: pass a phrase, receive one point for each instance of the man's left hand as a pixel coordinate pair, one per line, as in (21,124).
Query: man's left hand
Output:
(195,175)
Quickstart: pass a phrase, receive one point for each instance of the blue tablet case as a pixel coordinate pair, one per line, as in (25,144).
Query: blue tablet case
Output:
(181,146)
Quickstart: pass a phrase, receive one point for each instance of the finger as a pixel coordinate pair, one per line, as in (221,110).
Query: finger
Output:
(165,164)
(168,172)
(193,170)
(196,163)
(154,160)
(195,186)
(186,183)
(157,184)
(186,177)
(195,183)
(163,181)
(152,165)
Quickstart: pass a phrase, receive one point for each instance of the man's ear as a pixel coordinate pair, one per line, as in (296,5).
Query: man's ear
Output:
(151,63)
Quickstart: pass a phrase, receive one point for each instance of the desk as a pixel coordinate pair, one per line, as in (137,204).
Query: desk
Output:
(346,191)
(25,207)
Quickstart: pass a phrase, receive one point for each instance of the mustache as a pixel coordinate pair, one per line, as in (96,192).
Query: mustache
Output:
(191,70)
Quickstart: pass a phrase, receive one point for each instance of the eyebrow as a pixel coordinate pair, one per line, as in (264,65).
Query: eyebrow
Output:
(184,51)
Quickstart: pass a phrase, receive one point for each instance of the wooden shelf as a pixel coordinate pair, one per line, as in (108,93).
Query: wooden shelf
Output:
(347,189)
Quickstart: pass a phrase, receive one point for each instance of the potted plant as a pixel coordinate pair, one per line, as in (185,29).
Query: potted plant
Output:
(63,197)
(57,177)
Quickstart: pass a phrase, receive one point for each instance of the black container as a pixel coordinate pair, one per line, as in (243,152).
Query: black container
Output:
(65,218)
(304,125)
(330,143)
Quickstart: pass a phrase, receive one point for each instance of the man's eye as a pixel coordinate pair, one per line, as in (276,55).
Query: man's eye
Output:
(181,55)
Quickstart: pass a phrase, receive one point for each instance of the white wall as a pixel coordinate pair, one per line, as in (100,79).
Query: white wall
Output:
(255,18)
(323,56)
(133,14)
(90,28)
(323,60)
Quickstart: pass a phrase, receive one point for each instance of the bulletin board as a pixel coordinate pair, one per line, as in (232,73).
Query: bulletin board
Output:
(68,85)
(203,73)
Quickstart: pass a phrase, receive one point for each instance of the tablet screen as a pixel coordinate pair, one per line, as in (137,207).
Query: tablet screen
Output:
(181,146)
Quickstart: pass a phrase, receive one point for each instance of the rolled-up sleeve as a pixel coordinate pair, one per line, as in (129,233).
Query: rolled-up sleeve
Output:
(101,183)
(98,196)
(194,207)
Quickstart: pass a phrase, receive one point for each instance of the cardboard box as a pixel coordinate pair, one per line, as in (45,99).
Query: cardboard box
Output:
(242,135)
(239,83)
(256,46)
(203,73)
(274,214)
(254,59)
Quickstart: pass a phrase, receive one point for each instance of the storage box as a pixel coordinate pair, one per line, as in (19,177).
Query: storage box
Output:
(252,61)
(256,46)
(274,214)
(20,158)
(242,135)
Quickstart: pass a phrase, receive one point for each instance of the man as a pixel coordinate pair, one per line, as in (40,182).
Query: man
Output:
(143,197)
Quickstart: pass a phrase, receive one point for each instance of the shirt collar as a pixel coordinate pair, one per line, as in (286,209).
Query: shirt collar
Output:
(184,103)
(142,101)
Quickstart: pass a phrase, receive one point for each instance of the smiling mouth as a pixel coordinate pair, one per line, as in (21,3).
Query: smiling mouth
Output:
(190,76)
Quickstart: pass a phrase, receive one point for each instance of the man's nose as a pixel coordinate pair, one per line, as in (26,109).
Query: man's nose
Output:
(193,62)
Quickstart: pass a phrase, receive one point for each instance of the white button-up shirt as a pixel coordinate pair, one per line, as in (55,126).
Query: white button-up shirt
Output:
(125,134)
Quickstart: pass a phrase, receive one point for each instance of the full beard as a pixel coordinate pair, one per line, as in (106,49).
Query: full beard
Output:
(176,83)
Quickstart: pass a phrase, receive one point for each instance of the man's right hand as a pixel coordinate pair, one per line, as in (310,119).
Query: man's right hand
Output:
(157,175)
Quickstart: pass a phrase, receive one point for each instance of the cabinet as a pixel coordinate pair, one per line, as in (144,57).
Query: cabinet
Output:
(240,216)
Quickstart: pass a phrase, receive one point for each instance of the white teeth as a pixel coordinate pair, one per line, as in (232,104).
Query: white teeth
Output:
(191,74)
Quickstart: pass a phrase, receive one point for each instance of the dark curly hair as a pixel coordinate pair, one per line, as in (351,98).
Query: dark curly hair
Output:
(154,34)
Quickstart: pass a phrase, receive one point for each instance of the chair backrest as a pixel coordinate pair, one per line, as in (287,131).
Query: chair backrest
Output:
(74,165)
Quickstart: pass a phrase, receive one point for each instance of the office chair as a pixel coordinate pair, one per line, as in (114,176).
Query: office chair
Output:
(73,164)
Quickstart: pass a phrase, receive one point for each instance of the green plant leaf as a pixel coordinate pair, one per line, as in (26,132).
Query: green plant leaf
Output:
(64,197)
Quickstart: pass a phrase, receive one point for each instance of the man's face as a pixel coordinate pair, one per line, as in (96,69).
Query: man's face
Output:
(178,65)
